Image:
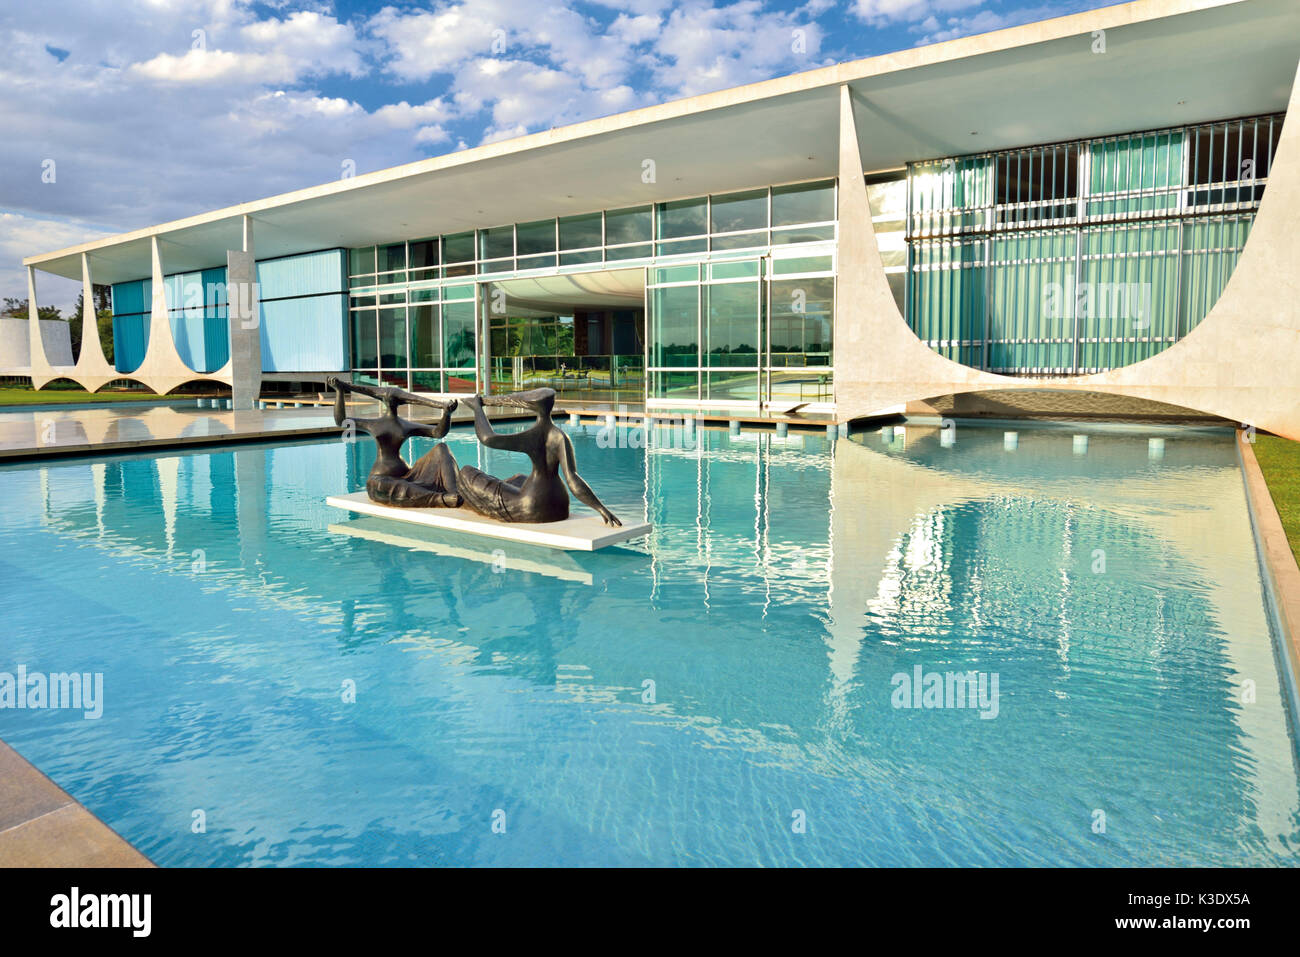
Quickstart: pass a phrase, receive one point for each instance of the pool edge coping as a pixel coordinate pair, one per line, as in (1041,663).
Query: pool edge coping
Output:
(56,830)
(1280,571)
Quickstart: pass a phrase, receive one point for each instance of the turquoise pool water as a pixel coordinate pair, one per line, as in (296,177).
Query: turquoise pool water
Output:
(722,693)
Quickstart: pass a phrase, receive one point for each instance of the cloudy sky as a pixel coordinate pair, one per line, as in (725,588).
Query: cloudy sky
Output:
(118,114)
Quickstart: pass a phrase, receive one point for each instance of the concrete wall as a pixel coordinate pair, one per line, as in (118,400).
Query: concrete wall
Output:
(16,345)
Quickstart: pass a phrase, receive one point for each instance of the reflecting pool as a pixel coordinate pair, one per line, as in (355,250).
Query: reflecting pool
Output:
(288,684)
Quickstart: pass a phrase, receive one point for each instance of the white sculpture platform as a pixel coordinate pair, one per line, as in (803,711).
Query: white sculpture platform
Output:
(585,533)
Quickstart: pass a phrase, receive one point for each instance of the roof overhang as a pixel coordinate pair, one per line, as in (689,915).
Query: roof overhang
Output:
(1166,62)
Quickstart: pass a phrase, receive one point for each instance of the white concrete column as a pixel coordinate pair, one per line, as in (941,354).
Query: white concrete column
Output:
(36,360)
(92,351)
(245,325)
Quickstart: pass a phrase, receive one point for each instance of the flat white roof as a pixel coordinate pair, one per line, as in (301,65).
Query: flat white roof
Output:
(1167,62)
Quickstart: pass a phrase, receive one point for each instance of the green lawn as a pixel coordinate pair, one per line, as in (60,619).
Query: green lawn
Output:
(1279,460)
(17,395)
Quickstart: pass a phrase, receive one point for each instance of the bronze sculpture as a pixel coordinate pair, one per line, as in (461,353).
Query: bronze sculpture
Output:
(431,481)
(539,496)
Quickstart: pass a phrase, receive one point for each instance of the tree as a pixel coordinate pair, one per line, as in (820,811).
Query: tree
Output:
(18,308)
(103,320)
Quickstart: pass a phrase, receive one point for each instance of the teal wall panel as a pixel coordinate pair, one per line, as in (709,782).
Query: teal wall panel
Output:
(305,275)
(130,335)
(306,334)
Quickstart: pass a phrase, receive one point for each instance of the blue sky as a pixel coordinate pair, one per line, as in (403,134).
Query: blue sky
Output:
(149,110)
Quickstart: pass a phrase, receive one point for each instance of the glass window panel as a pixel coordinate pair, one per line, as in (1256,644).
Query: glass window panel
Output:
(392,338)
(359,301)
(391,278)
(785,267)
(462,380)
(683,217)
(466,269)
(740,241)
(731,335)
(458,334)
(579,232)
(888,197)
(496,243)
(804,203)
(499,341)
(683,246)
(365,350)
(564,336)
(424,253)
(429,294)
(392,257)
(425,336)
(644,251)
(731,386)
(462,291)
(393,378)
(538,237)
(801,384)
(748,269)
(628,226)
(426,381)
(458,248)
(393,298)
(676,311)
(361,261)
(578,259)
(735,212)
(666,274)
(536,262)
(675,385)
(803,234)
(802,321)
(366,377)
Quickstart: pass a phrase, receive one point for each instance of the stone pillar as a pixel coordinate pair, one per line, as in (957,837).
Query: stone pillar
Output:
(245,323)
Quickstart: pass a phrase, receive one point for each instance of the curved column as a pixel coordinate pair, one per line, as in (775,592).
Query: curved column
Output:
(162,368)
(1240,362)
(39,365)
(92,371)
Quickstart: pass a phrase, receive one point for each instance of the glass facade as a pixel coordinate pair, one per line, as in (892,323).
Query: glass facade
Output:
(1085,256)
(712,264)
(420,336)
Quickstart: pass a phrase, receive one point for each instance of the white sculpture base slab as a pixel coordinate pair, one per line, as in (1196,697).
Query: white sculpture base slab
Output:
(585,533)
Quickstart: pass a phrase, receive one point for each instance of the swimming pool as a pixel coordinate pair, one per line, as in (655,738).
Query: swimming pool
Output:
(736,689)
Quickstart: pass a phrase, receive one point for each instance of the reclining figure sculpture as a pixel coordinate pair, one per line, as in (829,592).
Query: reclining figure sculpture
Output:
(431,481)
(539,496)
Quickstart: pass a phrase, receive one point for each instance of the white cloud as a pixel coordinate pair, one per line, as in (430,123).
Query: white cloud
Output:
(885,11)
(166,108)
(305,44)
(21,236)
(711,48)
(934,30)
